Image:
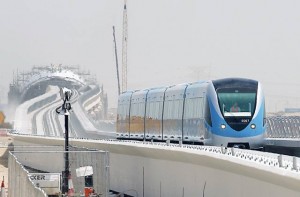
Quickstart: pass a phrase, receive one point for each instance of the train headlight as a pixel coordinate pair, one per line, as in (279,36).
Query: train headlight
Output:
(223,126)
(253,126)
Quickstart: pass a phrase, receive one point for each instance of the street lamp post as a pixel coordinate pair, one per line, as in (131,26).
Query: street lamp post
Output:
(65,94)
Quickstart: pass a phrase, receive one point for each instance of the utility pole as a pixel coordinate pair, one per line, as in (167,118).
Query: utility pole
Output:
(117,64)
(124,49)
(65,94)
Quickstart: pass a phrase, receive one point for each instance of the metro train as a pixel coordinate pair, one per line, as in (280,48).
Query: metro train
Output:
(225,112)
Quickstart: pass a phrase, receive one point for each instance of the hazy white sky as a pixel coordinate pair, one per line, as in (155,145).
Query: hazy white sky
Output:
(170,41)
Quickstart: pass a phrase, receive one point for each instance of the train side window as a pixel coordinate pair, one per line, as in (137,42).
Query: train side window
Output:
(193,108)
(123,111)
(207,113)
(178,106)
(154,109)
(167,110)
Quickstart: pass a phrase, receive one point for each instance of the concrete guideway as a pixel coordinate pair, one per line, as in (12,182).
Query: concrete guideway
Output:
(23,117)
(42,120)
(93,98)
(42,127)
(28,96)
(190,170)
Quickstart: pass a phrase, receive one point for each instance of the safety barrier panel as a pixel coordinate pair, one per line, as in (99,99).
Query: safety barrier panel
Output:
(48,161)
(19,183)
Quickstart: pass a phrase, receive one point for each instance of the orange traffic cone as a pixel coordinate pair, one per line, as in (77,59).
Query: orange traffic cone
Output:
(2,194)
(71,191)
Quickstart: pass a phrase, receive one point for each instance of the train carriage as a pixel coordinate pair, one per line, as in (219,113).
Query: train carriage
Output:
(173,112)
(137,114)
(228,112)
(154,113)
(194,112)
(123,115)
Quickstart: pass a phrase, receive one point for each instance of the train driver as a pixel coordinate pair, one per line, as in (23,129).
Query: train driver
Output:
(235,108)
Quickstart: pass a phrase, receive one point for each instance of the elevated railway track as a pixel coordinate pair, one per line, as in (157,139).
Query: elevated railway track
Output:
(156,169)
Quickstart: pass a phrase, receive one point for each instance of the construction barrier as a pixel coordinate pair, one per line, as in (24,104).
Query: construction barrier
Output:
(19,183)
(44,166)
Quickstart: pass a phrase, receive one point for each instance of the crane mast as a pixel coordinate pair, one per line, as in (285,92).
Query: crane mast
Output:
(116,55)
(124,49)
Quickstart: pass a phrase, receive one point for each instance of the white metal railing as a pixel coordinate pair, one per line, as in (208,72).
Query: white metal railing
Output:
(283,127)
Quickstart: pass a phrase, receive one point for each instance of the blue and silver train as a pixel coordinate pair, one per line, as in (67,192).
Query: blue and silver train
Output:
(226,112)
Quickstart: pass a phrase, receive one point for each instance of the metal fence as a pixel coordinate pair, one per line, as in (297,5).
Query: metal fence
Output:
(283,127)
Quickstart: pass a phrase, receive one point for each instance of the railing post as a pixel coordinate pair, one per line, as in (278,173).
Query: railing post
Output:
(232,151)
(180,141)
(280,161)
(168,142)
(295,167)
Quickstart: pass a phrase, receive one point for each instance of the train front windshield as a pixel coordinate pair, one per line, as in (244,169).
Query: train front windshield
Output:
(237,102)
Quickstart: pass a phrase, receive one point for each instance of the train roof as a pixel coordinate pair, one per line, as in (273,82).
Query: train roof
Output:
(197,89)
(235,82)
(218,83)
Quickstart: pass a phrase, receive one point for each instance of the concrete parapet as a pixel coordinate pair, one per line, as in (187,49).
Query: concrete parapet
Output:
(147,169)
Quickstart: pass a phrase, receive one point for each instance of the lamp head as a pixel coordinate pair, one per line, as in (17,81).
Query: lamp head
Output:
(65,94)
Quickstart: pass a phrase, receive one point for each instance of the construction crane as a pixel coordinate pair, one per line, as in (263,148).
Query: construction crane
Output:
(124,49)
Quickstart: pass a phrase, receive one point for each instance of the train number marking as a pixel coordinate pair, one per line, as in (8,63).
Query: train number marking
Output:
(245,120)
